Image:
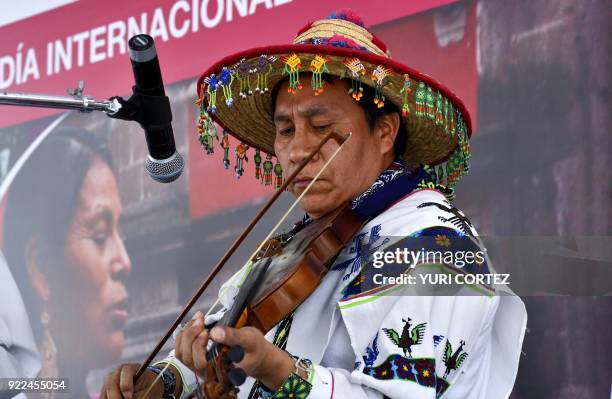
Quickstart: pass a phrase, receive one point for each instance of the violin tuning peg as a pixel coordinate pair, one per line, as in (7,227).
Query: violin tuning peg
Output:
(236,376)
(235,354)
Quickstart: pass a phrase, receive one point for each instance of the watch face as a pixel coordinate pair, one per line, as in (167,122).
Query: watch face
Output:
(302,368)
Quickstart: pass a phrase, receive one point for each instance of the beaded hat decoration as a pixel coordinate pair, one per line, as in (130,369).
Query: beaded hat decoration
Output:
(235,93)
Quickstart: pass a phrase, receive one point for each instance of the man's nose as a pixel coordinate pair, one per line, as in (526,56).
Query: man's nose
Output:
(302,144)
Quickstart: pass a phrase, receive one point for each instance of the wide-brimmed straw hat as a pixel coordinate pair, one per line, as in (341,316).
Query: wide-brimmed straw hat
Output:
(236,94)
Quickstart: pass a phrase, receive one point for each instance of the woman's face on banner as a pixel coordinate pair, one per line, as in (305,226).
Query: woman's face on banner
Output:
(98,265)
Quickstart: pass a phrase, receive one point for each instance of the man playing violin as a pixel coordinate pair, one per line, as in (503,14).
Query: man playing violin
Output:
(408,147)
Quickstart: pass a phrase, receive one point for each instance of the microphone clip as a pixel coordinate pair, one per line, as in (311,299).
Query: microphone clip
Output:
(151,112)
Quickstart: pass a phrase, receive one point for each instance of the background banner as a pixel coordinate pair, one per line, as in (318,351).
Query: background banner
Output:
(110,257)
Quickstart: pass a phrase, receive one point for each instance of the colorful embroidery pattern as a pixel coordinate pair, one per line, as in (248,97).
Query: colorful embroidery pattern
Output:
(397,367)
(419,370)
(294,387)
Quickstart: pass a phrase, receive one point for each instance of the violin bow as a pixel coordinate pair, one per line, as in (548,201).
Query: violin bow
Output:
(341,139)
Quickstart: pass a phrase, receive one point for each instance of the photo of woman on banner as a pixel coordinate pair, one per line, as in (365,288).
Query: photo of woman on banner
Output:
(64,247)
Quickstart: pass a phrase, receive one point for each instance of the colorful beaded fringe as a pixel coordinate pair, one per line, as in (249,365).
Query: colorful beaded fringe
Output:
(427,104)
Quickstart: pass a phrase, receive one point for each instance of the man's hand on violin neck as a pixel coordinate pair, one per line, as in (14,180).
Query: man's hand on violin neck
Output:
(262,360)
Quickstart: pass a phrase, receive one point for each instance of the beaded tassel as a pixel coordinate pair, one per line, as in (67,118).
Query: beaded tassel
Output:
(318,67)
(267,168)
(465,145)
(263,69)
(226,78)
(356,68)
(379,76)
(211,90)
(257,159)
(453,167)
(405,90)
(292,67)
(420,99)
(439,115)
(446,108)
(458,163)
(243,74)
(206,129)
(225,145)
(241,157)
(429,101)
(278,174)
(293,64)
(451,112)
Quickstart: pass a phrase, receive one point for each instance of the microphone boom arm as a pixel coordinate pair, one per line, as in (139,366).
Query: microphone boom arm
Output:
(150,111)
(75,101)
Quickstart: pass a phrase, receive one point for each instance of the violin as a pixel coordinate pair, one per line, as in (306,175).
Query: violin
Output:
(282,276)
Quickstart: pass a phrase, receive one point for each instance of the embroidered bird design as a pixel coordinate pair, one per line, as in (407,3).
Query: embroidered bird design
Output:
(409,336)
(452,361)
(371,353)
(458,219)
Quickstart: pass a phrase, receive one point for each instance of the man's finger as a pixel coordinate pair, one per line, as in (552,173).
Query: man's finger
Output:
(188,336)
(126,381)
(198,350)
(112,387)
(232,336)
(112,381)
(181,337)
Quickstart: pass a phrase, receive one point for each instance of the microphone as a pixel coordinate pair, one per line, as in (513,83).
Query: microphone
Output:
(150,107)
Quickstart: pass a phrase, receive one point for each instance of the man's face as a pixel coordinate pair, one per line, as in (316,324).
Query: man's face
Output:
(303,119)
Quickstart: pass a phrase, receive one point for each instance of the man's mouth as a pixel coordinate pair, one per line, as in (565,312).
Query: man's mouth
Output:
(300,183)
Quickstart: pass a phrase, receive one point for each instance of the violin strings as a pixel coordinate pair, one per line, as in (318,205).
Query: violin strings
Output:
(271,233)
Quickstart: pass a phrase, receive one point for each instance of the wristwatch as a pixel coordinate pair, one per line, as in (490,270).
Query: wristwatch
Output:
(303,367)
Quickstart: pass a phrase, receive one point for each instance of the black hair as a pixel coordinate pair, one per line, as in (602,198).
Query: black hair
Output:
(43,199)
(371,110)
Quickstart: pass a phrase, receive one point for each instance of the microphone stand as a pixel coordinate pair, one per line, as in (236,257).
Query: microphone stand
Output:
(75,101)
(149,111)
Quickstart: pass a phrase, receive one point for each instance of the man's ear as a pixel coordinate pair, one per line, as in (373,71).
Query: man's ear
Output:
(388,127)
(33,266)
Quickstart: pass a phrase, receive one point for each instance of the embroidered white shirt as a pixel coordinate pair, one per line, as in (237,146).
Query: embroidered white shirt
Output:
(470,344)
